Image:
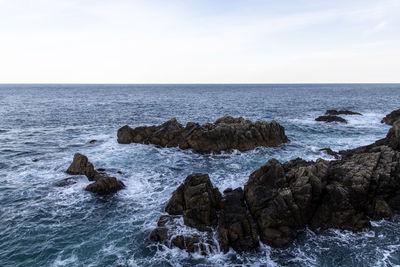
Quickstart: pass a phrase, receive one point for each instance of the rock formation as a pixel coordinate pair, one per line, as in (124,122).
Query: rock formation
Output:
(341,112)
(391,117)
(225,134)
(331,119)
(279,199)
(103,184)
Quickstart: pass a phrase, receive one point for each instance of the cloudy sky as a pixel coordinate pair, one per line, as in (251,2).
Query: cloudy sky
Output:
(199,41)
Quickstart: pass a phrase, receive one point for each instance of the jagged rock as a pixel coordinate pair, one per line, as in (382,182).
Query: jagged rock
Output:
(225,134)
(236,227)
(81,165)
(280,199)
(341,112)
(330,152)
(331,119)
(103,184)
(197,201)
(391,117)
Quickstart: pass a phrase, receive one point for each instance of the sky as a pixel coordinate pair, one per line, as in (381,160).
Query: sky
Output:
(204,41)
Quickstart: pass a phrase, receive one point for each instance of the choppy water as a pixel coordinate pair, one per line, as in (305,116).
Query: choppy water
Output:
(45,225)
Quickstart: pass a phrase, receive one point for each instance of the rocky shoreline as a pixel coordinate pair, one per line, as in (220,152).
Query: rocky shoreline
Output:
(226,134)
(280,199)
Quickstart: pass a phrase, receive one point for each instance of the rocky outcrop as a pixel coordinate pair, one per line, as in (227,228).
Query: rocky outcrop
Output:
(103,184)
(334,112)
(280,199)
(331,119)
(225,134)
(391,117)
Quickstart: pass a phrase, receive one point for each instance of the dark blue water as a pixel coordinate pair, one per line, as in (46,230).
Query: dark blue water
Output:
(45,225)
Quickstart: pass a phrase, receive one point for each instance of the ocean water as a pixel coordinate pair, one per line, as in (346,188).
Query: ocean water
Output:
(42,126)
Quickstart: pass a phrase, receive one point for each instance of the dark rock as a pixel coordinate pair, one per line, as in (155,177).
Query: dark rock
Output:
(103,184)
(225,134)
(197,201)
(66,182)
(101,169)
(92,141)
(341,112)
(391,117)
(236,227)
(35,160)
(281,199)
(330,152)
(119,172)
(331,119)
(81,165)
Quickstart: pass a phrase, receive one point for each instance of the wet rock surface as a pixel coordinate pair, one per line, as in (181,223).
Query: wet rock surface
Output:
(330,152)
(391,117)
(225,134)
(331,119)
(341,112)
(103,184)
(279,199)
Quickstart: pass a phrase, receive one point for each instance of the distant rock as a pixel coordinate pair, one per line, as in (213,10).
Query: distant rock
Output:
(103,184)
(340,112)
(225,134)
(35,160)
(330,152)
(279,199)
(391,117)
(331,119)
(92,141)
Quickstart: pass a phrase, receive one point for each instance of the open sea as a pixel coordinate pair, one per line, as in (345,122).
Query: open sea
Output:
(42,126)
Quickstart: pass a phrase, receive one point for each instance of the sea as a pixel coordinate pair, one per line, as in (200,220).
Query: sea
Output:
(43,125)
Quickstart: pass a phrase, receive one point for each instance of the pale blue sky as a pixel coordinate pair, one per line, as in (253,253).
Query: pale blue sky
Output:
(121,41)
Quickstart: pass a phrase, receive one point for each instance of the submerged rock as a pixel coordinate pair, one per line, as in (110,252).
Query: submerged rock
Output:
(225,134)
(66,182)
(103,184)
(391,117)
(281,199)
(331,119)
(341,112)
(330,152)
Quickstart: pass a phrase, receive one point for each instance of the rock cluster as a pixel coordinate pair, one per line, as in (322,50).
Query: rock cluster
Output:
(391,117)
(279,199)
(102,185)
(331,115)
(225,134)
